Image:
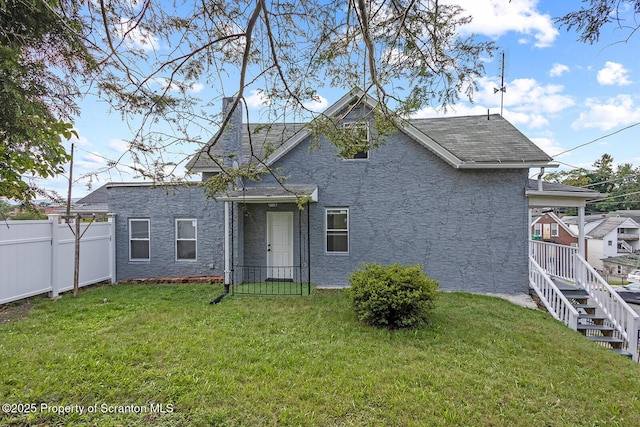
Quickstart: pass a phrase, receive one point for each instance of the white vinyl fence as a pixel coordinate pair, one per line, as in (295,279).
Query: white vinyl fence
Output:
(37,257)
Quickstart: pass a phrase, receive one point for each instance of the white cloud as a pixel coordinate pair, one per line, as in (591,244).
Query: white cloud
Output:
(90,161)
(608,114)
(495,18)
(453,111)
(137,37)
(80,140)
(319,104)
(558,69)
(613,74)
(257,99)
(526,102)
(549,146)
(118,145)
(176,86)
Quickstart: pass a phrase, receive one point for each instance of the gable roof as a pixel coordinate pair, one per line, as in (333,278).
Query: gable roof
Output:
(94,202)
(558,221)
(469,142)
(608,225)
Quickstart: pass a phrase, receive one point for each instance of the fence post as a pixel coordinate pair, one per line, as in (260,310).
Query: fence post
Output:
(55,256)
(111,219)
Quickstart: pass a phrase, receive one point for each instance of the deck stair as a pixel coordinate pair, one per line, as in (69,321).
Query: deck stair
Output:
(592,323)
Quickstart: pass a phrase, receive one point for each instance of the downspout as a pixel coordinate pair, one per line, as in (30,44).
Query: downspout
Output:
(540,179)
(231,140)
(227,253)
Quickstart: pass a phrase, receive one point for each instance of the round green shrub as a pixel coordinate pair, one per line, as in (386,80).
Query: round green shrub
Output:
(392,296)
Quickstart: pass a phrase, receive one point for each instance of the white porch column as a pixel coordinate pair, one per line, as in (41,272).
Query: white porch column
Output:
(227,248)
(581,271)
(581,249)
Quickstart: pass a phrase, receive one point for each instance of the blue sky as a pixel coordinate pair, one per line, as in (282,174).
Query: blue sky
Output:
(561,93)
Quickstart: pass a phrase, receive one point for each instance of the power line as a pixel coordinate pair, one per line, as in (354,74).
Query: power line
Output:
(613,197)
(597,139)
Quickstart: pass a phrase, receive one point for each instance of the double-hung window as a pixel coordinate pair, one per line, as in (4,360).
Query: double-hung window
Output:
(554,229)
(186,239)
(337,230)
(537,229)
(139,242)
(361,137)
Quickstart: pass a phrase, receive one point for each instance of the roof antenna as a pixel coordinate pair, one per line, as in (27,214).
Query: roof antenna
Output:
(502,88)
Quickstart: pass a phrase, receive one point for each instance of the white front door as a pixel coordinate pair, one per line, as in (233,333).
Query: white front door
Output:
(280,245)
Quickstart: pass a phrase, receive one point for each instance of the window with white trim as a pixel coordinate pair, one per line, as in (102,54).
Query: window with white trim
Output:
(537,229)
(554,229)
(337,230)
(186,239)
(139,241)
(362,134)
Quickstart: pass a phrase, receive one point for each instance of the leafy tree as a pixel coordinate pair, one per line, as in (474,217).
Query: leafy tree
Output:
(5,207)
(148,57)
(406,54)
(622,184)
(41,57)
(590,20)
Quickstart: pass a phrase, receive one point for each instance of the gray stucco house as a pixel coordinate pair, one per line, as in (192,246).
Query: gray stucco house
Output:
(446,193)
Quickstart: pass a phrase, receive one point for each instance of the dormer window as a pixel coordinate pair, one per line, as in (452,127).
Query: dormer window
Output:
(361,130)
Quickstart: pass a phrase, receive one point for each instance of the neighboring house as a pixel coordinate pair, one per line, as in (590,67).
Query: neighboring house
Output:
(437,193)
(627,213)
(95,202)
(621,265)
(549,228)
(611,237)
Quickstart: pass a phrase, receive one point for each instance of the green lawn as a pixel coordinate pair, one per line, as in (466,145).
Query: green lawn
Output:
(301,360)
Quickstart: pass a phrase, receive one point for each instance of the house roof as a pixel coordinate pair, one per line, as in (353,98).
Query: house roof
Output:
(94,202)
(558,221)
(631,260)
(281,194)
(474,142)
(481,139)
(608,225)
(551,194)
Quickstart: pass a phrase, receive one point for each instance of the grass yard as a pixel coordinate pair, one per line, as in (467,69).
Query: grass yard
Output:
(122,351)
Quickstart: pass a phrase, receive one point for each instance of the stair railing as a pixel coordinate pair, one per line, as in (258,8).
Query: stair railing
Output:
(557,260)
(621,316)
(550,296)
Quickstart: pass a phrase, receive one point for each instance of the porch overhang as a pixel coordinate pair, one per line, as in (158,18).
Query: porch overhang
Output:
(551,195)
(280,194)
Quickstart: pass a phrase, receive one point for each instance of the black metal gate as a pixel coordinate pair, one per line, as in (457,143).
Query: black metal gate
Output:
(261,280)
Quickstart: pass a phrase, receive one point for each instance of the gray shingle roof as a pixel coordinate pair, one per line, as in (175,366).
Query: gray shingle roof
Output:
(554,186)
(469,141)
(481,139)
(606,226)
(257,139)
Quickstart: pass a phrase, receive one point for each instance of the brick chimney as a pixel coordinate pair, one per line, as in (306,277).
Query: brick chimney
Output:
(231,138)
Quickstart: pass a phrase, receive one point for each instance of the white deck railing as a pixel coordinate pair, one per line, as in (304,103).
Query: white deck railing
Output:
(553,260)
(551,297)
(556,260)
